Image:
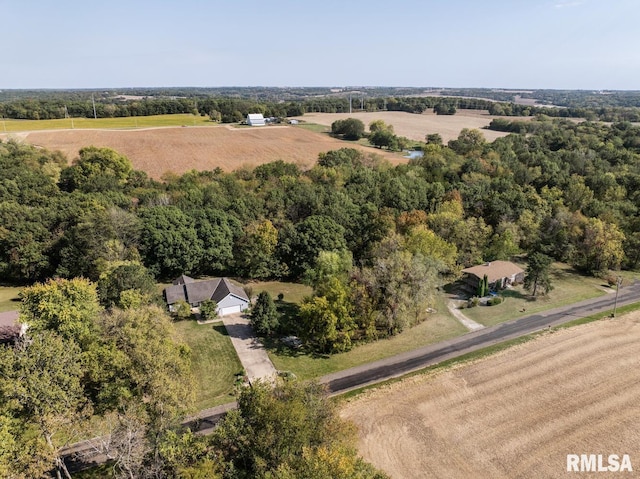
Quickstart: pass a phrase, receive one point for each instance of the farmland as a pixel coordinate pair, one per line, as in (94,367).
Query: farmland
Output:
(181,149)
(414,126)
(157,145)
(514,414)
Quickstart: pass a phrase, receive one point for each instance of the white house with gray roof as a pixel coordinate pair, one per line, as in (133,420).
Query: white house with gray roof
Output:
(229,297)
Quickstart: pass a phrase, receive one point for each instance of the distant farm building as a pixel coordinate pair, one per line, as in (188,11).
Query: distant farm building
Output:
(500,274)
(230,298)
(255,119)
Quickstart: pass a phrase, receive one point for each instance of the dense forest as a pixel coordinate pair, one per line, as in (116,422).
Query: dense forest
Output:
(375,242)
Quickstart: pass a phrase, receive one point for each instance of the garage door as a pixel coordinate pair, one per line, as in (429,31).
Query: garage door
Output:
(230,310)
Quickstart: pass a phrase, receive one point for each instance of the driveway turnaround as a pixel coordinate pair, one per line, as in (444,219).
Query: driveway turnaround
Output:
(253,356)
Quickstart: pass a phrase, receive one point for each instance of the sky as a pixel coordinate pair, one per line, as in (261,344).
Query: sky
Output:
(527,44)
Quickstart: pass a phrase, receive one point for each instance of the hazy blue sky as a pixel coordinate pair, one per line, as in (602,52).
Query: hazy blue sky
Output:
(585,44)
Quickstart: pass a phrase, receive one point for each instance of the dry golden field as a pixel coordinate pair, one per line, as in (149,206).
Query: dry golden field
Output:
(416,127)
(180,149)
(516,414)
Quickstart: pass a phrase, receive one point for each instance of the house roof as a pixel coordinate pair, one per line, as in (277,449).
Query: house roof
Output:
(255,116)
(197,291)
(494,270)
(183,279)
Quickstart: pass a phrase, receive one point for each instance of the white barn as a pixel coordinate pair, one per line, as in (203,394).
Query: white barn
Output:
(255,119)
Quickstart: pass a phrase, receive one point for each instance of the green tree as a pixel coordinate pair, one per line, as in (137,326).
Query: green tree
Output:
(169,242)
(384,138)
(350,128)
(126,277)
(468,141)
(68,307)
(327,319)
(288,431)
(182,309)
(208,309)
(264,315)
(380,125)
(97,169)
(41,380)
(255,250)
(537,274)
(600,247)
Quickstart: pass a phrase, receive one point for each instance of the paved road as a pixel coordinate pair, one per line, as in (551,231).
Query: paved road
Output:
(401,364)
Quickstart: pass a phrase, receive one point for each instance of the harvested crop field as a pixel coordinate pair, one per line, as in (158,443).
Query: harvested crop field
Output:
(415,126)
(516,414)
(177,150)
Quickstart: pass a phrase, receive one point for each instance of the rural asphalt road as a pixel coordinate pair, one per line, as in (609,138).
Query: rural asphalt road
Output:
(395,366)
(404,363)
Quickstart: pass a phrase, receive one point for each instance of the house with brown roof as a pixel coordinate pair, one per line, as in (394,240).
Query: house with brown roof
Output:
(500,274)
(229,297)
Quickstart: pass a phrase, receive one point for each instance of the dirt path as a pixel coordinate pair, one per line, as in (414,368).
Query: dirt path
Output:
(513,415)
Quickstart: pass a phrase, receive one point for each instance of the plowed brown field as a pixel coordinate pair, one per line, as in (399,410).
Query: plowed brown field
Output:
(180,149)
(416,127)
(159,150)
(516,414)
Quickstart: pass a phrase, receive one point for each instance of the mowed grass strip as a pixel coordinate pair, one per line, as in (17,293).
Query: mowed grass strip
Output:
(569,286)
(438,326)
(9,126)
(9,300)
(214,362)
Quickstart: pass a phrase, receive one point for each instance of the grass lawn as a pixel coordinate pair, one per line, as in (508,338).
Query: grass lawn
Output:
(438,327)
(314,127)
(8,126)
(213,360)
(9,300)
(293,292)
(569,287)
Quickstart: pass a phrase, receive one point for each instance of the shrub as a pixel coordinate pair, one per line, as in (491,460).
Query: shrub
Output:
(494,301)
(208,309)
(280,296)
(182,309)
(473,302)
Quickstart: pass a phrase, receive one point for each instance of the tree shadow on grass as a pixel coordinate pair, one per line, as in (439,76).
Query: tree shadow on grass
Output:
(220,328)
(515,294)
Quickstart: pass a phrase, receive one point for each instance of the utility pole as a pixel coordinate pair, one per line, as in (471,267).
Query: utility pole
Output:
(615,304)
(95,116)
(349,103)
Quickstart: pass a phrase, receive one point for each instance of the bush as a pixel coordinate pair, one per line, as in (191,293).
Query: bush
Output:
(280,296)
(494,301)
(473,302)
(208,309)
(182,309)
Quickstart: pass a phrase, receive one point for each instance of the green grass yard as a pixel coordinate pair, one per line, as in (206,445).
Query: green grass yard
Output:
(9,300)
(569,287)
(214,362)
(10,126)
(438,327)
